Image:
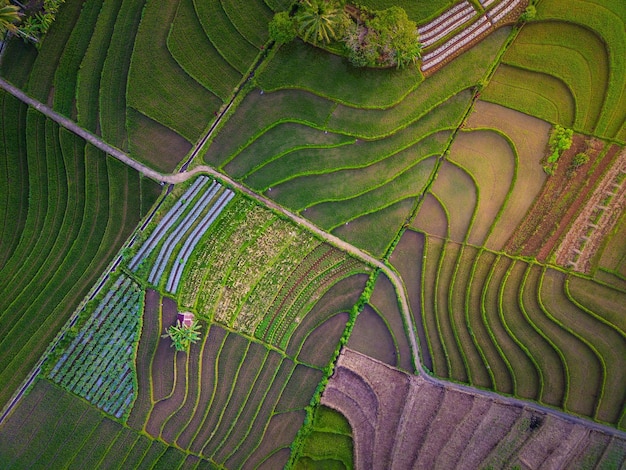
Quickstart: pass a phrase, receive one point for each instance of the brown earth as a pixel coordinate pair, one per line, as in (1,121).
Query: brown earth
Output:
(404,421)
(163,361)
(560,199)
(579,246)
(147,343)
(322,341)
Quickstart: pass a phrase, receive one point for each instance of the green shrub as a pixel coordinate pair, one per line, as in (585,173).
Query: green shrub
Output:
(282,28)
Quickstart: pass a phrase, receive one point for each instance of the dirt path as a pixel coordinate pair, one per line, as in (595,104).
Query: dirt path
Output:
(331,239)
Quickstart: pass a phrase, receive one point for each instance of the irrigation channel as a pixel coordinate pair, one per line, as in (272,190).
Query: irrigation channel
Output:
(333,240)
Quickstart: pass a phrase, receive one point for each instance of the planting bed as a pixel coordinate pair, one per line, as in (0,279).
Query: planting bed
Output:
(52,425)
(438,426)
(572,86)
(502,323)
(98,363)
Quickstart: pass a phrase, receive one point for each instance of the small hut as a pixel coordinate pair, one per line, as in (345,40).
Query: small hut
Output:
(185,319)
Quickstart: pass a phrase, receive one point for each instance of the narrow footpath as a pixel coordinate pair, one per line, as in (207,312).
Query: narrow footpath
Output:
(331,239)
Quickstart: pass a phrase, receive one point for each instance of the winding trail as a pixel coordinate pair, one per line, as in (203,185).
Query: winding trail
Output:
(333,240)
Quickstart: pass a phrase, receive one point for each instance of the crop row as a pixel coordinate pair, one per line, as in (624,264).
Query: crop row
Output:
(191,48)
(584,94)
(249,267)
(157,86)
(168,220)
(181,229)
(221,31)
(508,325)
(222,407)
(194,238)
(13,175)
(75,224)
(98,364)
(51,424)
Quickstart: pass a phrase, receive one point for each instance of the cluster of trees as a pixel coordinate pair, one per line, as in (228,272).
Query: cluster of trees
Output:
(36,24)
(10,16)
(560,141)
(370,38)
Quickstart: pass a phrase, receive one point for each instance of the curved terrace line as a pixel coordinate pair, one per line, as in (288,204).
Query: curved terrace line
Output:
(333,240)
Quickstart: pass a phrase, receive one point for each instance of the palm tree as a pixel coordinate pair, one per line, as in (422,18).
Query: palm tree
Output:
(183,336)
(320,20)
(9,15)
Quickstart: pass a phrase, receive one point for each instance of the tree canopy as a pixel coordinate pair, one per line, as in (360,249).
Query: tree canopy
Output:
(183,336)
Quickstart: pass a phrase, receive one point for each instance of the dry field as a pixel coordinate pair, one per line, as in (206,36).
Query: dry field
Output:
(404,421)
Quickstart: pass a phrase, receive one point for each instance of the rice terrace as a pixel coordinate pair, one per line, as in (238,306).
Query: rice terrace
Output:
(313,234)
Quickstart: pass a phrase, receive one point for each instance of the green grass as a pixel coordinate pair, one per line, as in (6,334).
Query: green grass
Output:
(571,54)
(580,366)
(416,11)
(13,175)
(42,73)
(78,220)
(66,75)
(282,165)
(113,82)
(302,66)
(283,140)
(538,95)
(257,113)
(608,344)
(221,31)
(606,19)
(51,425)
(89,76)
(17,61)
(158,87)
(409,184)
(196,54)
(251,19)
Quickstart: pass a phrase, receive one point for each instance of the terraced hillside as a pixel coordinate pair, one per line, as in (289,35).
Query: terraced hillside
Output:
(69,210)
(514,266)
(408,422)
(348,150)
(484,315)
(128,70)
(564,67)
(52,425)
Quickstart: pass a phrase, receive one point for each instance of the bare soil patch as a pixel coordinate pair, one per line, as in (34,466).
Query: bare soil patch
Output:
(162,410)
(164,362)
(279,434)
(248,443)
(407,258)
(322,341)
(561,197)
(371,337)
(215,339)
(438,424)
(232,354)
(155,144)
(596,219)
(176,420)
